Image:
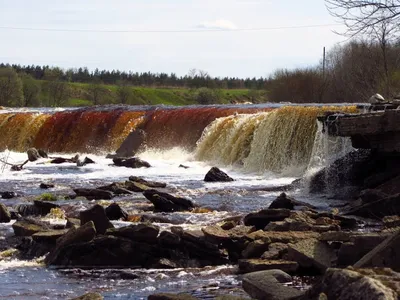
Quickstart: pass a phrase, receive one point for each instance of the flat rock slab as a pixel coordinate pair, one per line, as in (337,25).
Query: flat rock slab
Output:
(283,236)
(216,233)
(254,265)
(268,285)
(50,236)
(312,253)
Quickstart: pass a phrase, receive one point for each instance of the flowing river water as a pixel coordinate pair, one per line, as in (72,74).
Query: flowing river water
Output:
(259,147)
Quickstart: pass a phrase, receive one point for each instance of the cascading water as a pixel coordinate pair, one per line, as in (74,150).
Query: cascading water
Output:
(280,141)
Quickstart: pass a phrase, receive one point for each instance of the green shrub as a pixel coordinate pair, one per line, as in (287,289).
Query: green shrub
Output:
(47,197)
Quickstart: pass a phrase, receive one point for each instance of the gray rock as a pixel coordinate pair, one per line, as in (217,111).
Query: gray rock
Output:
(90,296)
(94,194)
(5,215)
(131,144)
(254,265)
(312,253)
(140,232)
(97,214)
(33,154)
(267,285)
(216,175)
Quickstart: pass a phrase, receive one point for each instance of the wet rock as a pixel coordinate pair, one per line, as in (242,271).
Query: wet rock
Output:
(275,251)
(311,253)
(262,218)
(33,154)
(282,236)
(136,186)
(83,234)
(152,184)
(254,265)
(283,201)
(116,188)
(90,296)
(27,227)
(255,249)
(8,195)
(46,185)
(93,194)
(345,222)
(44,207)
(42,153)
(107,250)
(29,249)
(154,218)
(164,263)
(219,235)
(268,285)
(386,254)
(166,202)
(167,296)
(115,212)
(97,214)
(140,232)
(215,175)
(133,162)
(131,144)
(84,162)
(5,215)
(169,239)
(183,166)
(347,284)
(48,236)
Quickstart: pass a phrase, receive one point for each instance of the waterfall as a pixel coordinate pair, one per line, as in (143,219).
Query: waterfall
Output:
(280,141)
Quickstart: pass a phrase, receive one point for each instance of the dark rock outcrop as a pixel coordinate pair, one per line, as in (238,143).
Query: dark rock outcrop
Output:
(94,194)
(97,214)
(152,184)
(262,218)
(215,174)
(8,195)
(268,285)
(132,162)
(5,215)
(140,233)
(46,185)
(27,227)
(116,212)
(166,202)
(283,201)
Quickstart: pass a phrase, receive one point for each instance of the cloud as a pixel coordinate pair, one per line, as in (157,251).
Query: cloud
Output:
(218,24)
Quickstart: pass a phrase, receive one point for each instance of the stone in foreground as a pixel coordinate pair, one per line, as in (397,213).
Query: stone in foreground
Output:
(268,285)
(254,265)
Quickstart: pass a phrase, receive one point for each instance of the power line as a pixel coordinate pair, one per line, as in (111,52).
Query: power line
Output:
(166,31)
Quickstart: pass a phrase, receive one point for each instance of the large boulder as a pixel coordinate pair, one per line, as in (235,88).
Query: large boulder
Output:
(27,227)
(215,174)
(94,194)
(5,215)
(132,162)
(268,285)
(97,214)
(349,284)
(152,184)
(116,212)
(262,218)
(283,201)
(312,254)
(386,254)
(131,144)
(166,202)
(33,154)
(254,265)
(79,235)
(140,232)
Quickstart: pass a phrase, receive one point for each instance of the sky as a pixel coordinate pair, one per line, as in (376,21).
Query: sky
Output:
(240,38)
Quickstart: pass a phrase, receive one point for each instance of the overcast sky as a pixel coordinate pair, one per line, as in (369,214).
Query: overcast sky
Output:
(221,53)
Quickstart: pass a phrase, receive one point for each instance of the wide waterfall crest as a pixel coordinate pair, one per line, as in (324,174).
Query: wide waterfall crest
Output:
(281,141)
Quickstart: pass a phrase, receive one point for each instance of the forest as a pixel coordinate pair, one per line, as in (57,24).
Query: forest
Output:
(351,72)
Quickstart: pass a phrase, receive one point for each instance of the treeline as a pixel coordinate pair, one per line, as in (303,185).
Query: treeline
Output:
(194,79)
(353,73)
